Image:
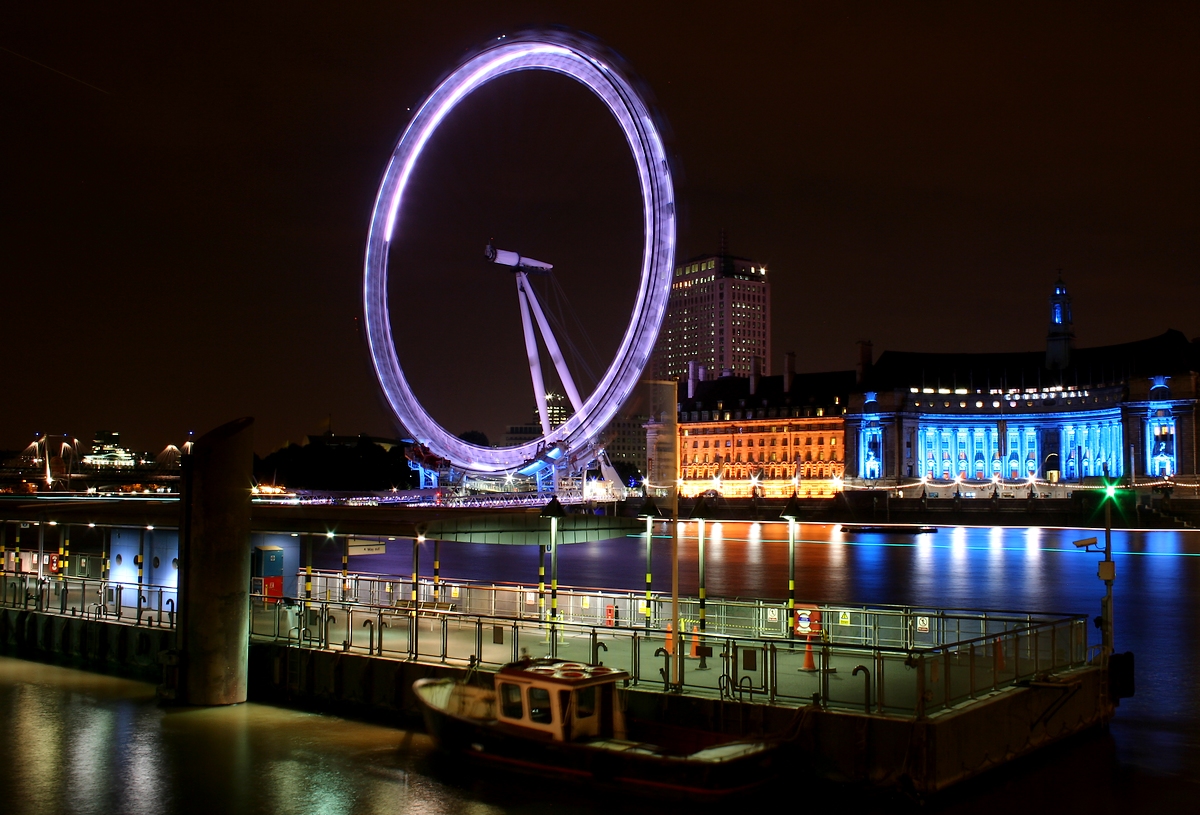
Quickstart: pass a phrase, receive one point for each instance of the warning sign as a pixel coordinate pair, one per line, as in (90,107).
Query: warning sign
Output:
(454,591)
(772,615)
(843,618)
(586,602)
(922,625)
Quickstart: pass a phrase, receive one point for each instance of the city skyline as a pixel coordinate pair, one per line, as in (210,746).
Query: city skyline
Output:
(183,245)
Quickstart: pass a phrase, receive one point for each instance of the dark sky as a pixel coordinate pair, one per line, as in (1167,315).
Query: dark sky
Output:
(186,192)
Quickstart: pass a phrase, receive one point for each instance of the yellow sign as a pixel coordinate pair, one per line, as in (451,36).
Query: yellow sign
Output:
(454,591)
(843,618)
(586,602)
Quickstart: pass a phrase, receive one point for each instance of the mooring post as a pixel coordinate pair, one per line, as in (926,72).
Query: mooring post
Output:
(213,635)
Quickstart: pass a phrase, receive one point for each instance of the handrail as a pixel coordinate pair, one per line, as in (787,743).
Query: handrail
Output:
(1016,650)
(18,594)
(443,581)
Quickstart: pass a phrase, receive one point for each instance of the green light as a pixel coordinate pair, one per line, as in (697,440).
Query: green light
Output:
(1110,490)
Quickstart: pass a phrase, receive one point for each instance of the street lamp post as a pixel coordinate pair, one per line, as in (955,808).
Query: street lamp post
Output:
(1108,568)
(791,512)
(699,514)
(553,510)
(1106,572)
(649,511)
(677,642)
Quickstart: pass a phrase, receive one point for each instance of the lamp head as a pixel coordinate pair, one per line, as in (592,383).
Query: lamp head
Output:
(649,509)
(553,509)
(791,510)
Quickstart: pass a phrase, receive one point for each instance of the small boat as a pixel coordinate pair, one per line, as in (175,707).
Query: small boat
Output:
(564,720)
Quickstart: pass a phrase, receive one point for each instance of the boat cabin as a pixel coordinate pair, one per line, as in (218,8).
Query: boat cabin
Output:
(559,701)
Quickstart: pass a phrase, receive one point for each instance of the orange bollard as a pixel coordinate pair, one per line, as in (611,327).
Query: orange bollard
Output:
(695,654)
(670,645)
(809,665)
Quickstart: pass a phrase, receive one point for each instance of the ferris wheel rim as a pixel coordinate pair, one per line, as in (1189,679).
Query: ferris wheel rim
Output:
(587,63)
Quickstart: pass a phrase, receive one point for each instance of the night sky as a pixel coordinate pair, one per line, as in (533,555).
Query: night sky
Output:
(186,192)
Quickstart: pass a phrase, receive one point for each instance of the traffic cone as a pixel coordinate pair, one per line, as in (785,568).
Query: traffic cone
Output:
(999,646)
(695,653)
(670,645)
(809,665)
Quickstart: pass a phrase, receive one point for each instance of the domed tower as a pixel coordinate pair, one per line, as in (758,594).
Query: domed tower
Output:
(1060,338)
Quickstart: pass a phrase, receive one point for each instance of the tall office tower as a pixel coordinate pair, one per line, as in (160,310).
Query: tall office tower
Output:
(558,409)
(718,315)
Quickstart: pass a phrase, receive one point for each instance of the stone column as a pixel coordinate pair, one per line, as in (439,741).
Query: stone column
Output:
(214,566)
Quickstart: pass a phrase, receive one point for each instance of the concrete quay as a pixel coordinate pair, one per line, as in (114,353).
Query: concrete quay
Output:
(923,755)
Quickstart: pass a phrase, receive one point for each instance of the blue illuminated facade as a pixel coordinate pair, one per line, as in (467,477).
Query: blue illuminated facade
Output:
(972,439)
(1069,435)
(1064,415)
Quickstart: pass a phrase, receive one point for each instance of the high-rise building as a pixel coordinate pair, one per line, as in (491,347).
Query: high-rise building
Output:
(558,410)
(718,315)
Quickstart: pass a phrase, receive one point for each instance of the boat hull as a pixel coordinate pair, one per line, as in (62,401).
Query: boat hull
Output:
(617,764)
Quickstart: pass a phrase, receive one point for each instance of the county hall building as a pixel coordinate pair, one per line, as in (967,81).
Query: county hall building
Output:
(1063,414)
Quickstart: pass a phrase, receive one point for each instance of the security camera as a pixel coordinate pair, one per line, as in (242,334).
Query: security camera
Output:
(1085,543)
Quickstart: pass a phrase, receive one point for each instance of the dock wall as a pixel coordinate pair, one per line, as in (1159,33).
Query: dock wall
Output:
(89,643)
(924,756)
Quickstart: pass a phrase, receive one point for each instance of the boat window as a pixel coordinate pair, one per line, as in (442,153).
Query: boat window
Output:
(510,701)
(539,706)
(585,702)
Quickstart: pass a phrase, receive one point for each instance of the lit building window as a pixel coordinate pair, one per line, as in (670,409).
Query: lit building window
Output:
(871,464)
(1160,444)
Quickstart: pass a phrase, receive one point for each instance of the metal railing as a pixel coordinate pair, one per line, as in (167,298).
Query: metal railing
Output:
(913,661)
(144,604)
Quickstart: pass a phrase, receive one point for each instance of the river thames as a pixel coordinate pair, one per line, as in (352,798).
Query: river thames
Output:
(82,743)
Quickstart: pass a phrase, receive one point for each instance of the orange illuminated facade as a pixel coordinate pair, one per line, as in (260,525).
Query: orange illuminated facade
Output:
(764,436)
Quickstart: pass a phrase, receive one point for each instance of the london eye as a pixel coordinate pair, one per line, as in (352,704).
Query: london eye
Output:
(589,64)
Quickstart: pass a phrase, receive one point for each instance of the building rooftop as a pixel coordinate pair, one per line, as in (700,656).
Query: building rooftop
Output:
(1170,352)
(828,388)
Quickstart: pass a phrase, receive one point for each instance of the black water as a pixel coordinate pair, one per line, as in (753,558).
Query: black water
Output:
(77,742)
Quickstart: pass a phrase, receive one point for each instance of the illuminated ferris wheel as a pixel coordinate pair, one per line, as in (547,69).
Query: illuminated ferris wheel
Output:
(587,63)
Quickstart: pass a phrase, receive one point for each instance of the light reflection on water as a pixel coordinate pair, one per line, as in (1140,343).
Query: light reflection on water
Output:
(1156,595)
(84,743)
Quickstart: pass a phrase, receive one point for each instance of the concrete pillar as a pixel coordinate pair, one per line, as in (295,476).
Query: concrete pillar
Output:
(214,558)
